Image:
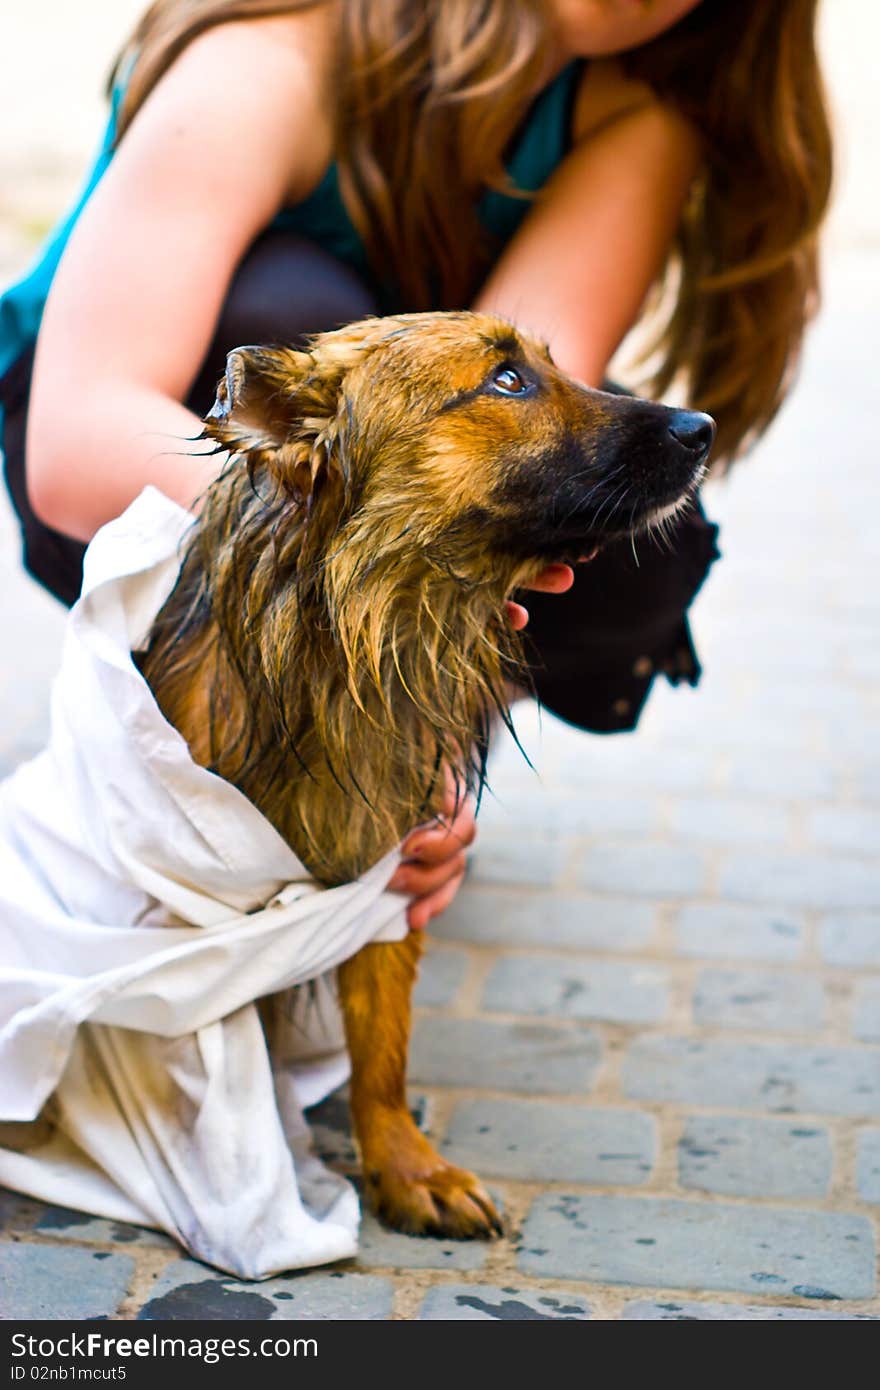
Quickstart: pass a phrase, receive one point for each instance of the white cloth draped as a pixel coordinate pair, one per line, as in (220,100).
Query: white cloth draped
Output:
(145,904)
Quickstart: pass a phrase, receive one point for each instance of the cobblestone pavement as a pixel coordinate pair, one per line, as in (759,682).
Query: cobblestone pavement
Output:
(651,1019)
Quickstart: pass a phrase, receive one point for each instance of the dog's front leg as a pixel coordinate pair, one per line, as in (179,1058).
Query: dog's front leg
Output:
(408,1183)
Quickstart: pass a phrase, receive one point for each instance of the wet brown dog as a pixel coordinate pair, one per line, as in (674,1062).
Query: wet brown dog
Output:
(337,636)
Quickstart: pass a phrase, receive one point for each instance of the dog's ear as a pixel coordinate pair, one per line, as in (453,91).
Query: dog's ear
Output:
(256,405)
(287,410)
(284,410)
(267,393)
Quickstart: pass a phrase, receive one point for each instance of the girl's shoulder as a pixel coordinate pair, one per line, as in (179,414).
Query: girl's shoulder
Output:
(605,94)
(289,58)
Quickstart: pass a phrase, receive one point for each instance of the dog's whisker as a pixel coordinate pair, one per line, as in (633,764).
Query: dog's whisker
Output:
(595,520)
(581,503)
(599,486)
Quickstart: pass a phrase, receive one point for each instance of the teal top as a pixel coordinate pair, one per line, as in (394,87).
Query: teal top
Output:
(537,148)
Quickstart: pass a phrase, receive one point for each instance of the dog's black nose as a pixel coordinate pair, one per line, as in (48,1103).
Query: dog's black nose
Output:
(693,430)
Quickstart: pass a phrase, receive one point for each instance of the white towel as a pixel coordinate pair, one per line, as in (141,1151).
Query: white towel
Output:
(145,904)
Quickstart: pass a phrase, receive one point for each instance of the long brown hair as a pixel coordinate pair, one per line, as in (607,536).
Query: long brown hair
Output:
(429,95)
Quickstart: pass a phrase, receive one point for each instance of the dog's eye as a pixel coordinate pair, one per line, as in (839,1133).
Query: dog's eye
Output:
(509,382)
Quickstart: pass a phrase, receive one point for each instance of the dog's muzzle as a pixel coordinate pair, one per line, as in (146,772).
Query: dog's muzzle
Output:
(652,458)
(627,466)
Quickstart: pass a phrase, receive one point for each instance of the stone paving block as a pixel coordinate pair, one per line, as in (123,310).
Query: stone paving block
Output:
(736,730)
(769,654)
(851,740)
(56,1281)
(604,815)
(606,766)
(330,1123)
(531,1057)
(489,1302)
(18,1213)
(841,702)
(746,1157)
(187,1291)
(805,627)
(866,1022)
(815,881)
(851,938)
(540,1142)
(732,1312)
(60,1223)
(718,820)
(777,776)
(649,870)
(672,713)
(724,930)
(381,1248)
(853,830)
(699,1245)
(550,812)
(497,918)
(869,782)
(535,859)
(868,1165)
(760,1000)
(781,1078)
(440,975)
(569,988)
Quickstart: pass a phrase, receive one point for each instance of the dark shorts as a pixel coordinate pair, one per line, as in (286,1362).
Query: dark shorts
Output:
(594,652)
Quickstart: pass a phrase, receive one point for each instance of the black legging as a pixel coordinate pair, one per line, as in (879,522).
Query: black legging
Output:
(594,651)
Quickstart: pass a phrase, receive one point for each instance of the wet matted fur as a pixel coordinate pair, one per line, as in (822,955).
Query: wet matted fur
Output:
(337,636)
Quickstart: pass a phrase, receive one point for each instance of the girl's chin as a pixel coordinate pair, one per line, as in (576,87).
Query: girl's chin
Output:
(606,27)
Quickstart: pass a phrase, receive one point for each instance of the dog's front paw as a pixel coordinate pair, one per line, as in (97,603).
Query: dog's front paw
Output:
(414,1190)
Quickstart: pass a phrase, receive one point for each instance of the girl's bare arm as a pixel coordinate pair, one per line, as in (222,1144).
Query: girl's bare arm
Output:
(233,131)
(578,270)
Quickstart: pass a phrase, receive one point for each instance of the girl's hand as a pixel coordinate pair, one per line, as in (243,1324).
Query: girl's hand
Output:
(555,579)
(434,860)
